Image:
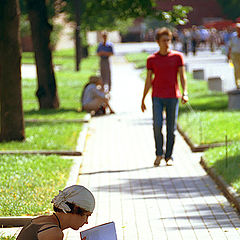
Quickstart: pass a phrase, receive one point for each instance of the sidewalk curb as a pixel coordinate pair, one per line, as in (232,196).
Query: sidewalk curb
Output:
(43,152)
(227,190)
(82,136)
(20,221)
(194,147)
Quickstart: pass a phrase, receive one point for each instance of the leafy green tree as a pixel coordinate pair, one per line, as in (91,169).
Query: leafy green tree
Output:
(11,112)
(101,14)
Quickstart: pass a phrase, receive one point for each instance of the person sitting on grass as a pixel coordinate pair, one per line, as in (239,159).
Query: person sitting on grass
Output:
(94,100)
(72,207)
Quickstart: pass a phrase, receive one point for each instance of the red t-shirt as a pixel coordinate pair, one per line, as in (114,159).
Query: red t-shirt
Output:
(165,69)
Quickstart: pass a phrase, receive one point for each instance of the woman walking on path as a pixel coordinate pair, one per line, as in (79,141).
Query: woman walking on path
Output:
(72,207)
(104,51)
(165,65)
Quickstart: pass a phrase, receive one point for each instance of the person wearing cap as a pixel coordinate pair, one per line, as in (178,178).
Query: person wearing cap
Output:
(72,207)
(94,99)
(234,54)
(104,51)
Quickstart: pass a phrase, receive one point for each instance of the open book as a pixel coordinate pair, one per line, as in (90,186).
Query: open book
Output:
(105,231)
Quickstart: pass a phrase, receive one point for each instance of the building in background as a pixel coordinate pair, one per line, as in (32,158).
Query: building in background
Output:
(204,11)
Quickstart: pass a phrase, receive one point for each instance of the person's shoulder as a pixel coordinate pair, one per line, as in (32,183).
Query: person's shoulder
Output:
(176,53)
(152,56)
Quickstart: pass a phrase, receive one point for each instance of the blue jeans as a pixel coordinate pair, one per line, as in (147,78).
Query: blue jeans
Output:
(171,106)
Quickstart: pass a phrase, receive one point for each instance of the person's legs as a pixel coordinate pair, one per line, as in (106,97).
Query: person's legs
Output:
(94,105)
(236,63)
(106,73)
(157,124)
(171,122)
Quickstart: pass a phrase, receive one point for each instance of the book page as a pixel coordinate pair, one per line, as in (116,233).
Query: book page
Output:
(105,231)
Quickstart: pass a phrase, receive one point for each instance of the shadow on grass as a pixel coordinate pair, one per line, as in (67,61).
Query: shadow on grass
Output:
(49,111)
(47,123)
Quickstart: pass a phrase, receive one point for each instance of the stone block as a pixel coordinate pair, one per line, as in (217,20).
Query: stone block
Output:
(215,84)
(198,74)
(234,99)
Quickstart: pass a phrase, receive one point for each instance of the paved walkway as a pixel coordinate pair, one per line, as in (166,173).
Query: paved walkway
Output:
(148,203)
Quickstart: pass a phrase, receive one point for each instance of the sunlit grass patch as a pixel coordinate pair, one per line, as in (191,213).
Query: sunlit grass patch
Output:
(138,58)
(28,183)
(211,126)
(47,136)
(6,237)
(226,162)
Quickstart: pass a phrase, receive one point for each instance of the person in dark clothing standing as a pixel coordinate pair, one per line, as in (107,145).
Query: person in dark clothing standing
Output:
(104,51)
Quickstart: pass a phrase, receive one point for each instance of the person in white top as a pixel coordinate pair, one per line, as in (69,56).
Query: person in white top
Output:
(94,99)
(234,54)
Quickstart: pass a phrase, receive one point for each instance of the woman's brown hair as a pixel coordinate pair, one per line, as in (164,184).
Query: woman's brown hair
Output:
(74,209)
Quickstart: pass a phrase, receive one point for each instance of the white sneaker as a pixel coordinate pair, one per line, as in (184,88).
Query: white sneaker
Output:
(157,161)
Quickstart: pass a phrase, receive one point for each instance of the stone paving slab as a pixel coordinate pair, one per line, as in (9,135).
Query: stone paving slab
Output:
(145,202)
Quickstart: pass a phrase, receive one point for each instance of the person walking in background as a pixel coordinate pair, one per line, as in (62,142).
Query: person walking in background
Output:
(165,65)
(234,54)
(104,51)
(194,39)
(185,37)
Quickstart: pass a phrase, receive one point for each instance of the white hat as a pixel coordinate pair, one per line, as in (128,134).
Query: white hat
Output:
(76,194)
(238,25)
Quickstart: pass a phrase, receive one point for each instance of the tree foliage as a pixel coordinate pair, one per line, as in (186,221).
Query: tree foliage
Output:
(108,14)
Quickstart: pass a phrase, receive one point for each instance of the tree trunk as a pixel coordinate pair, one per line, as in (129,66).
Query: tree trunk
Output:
(41,29)
(77,34)
(11,111)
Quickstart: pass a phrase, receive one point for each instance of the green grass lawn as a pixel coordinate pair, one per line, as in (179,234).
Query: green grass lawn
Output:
(139,59)
(47,136)
(55,135)
(208,119)
(228,166)
(5,237)
(69,84)
(28,183)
